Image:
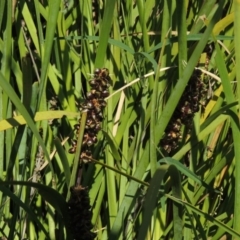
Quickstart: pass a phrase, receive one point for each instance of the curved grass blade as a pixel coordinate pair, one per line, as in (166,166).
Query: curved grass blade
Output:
(236,142)
(154,193)
(186,171)
(45,115)
(24,206)
(77,154)
(210,218)
(130,196)
(113,146)
(14,98)
(105,28)
(53,12)
(48,193)
(111,41)
(64,161)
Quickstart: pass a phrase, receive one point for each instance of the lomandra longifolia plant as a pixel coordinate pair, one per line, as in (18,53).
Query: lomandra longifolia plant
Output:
(94,104)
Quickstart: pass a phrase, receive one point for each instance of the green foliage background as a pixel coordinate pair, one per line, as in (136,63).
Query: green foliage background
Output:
(51,48)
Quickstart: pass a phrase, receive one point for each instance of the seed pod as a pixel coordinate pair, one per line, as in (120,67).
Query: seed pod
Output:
(98,127)
(87,105)
(102,103)
(86,155)
(89,95)
(90,124)
(105,93)
(93,83)
(186,110)
(89,142)
(97,72)
(76,126)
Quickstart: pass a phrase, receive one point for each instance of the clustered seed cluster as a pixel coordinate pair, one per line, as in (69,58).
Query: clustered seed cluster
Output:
(94,104)
(80,214)
(188,105)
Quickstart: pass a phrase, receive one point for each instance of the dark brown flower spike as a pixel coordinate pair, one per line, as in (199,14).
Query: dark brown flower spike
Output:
(80,214)
(94,104)
(189,104)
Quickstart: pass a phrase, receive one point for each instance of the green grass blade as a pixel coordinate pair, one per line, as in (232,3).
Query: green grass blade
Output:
(23,205)
(14,98)
(182,36)
(234,124)
(237,160)
(50,31)
(153,194)
(64,160)
(104,33)
(75,167)
(129,196)
(207,216)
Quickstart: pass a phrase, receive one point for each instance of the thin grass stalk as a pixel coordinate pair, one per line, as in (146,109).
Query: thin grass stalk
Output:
(105,29)
(77,154)
(97,191)
(142,18)
(39,26)
(2,8)
(65,62)
(2,99)
(6,70)
(116,52)
(165,33)
(141,5)
(110,175)
(50,31)
(51,222)
(237,155)
(6,66)
(15,213)
(153,152)
(1,140)
(87,9)
(7,37)
(11,156)
(124,165)
(50,180)
(29,21)
(182,35)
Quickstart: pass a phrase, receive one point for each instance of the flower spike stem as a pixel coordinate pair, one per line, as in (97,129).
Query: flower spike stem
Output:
(77,154)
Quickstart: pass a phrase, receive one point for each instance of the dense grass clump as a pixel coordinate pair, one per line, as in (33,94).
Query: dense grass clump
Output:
(119,119)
